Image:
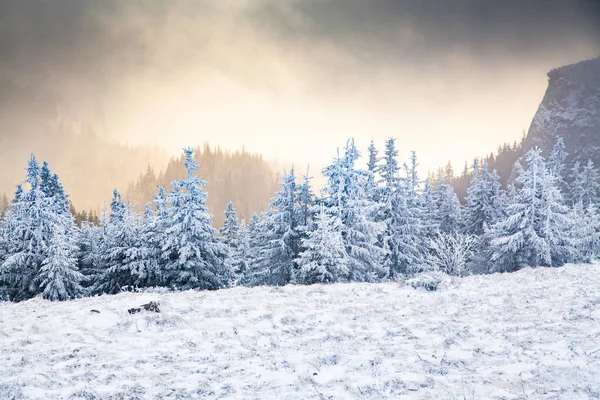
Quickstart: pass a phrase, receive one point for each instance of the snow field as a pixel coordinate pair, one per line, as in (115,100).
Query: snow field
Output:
(531,334)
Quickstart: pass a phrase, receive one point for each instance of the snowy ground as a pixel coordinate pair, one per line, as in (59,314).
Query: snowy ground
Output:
(532,334)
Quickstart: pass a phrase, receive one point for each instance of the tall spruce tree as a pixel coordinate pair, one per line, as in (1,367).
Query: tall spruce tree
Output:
(277,238)
(35,216)
(59,278)
(122,235)
(195,258)
(229,230)
(449,211)
(345,198)
(324,258)
(537,229)
(484,200)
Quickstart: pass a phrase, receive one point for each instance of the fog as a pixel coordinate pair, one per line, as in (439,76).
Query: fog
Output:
(290,79)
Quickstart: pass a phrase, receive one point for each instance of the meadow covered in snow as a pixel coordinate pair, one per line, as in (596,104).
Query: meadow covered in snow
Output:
(530,334)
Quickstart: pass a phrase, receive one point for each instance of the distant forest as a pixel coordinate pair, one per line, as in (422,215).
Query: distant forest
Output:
(243,178)
(503,162)
(90,166)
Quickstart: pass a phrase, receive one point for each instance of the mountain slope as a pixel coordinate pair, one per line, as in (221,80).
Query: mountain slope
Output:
(571,109)
(531,334)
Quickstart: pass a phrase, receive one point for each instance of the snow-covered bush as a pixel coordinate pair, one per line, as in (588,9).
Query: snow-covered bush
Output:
(428,280)
(450,253)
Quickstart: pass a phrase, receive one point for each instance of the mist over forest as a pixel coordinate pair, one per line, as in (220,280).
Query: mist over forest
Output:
(102,90)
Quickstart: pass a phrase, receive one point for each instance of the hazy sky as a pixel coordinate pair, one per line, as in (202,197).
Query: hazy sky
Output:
(293,79)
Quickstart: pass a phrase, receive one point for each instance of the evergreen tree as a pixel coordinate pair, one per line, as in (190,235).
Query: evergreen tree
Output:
(153,258)
(406,233)
(29,227)
(484,200)
(229,230)
(92,247)
(306,201)
(590,185)
(59,278)
(412,175)
(427,203)
(557,160)
(372,168)
(122,233)
(389,170)
(345,198)
(278,237)
(324,259)
(242,256)
(194,256)
(537,230)
(576,186)
(449,211)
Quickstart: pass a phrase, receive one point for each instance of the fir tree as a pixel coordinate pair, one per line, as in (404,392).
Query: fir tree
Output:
(449,211)
(242,256)
(537,229)
(151,254)
(556,164)
(122,233)
(345,198)
(590,185)
(30,225)
(278,237)
(372,168)
(324,259)
(194,256)
(229,230)
(59,278)
(484,200)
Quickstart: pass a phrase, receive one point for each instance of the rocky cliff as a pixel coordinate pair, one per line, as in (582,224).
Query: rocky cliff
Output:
(571,109)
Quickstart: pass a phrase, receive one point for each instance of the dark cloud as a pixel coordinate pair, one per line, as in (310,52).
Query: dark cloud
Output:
(130,59)
(434,28)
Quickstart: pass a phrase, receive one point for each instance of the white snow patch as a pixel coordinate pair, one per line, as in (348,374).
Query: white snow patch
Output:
(531,334)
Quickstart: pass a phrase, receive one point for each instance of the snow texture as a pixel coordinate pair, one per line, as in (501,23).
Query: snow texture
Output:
(531,334)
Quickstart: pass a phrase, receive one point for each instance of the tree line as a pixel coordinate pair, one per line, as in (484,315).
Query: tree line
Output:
(368,224)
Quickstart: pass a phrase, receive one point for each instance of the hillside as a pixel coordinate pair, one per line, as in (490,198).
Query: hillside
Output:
(570,109)
(242,177)
(89,166)
(530,334)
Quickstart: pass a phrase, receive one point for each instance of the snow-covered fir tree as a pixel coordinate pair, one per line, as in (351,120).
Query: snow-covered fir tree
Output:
(400,211)
(556,164)
(122,235)
(427,203)
(229,230)
(29,226)
(151,257)
(412,175)
(59,278)
(241,258)
(277,239)
(586,232)
(448,209)
(306,201)
(91,245)
(585,186)
(373,169)
(484,200)
(324,258)
(195,258)
(537,229)
(345,197)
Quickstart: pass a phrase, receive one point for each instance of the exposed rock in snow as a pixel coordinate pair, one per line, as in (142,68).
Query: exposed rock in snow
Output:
(571,109)
(531,334)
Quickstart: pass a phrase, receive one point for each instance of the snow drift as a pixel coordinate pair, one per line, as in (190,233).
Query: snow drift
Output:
(530,334)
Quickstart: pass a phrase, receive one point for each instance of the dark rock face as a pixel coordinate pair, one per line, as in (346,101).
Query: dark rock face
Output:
(571,109)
